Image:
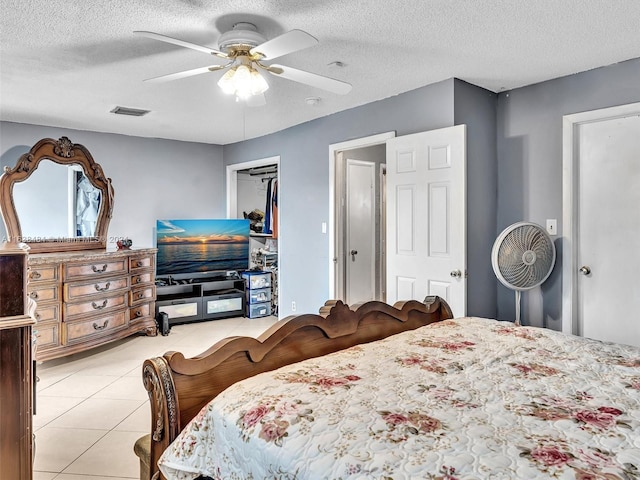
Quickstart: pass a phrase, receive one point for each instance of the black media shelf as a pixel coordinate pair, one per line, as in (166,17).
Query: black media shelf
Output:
(200,297)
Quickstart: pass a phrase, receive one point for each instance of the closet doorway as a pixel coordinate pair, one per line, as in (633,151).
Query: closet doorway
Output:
(357,237)
(252,188)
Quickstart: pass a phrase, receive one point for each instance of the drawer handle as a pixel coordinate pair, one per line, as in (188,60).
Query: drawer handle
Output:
(138,313)
(37,315)
(138,279)
(141,295)
(100,327)
(103,289)
(99,270)
(139,263)
(99,307)
(33,295)
(35,275)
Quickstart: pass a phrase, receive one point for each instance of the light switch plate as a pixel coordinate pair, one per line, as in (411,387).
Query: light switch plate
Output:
(552,226)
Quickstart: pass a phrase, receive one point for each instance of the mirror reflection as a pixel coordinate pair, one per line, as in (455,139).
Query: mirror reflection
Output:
(57,201)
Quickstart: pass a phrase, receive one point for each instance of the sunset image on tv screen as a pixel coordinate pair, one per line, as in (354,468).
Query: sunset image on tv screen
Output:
(199,246)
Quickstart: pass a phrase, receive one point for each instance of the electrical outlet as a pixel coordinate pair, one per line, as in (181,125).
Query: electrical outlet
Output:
(552,226)
(293,306)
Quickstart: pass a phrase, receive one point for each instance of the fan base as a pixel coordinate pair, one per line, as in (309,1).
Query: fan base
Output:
(242,34)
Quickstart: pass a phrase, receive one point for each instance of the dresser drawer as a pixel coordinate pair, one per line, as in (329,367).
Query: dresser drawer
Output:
(48,313)
(141,263)
(95,306)
(83,330)
(139,311)
(44,273)
(47,335)
(141,278)
(43,293)
(142,294)
(98,288)
(98,268)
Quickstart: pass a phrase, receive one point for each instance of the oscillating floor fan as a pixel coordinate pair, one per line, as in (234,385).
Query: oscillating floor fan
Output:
(522,257)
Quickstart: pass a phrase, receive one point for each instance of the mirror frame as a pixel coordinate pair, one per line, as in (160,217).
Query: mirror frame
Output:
(63,152)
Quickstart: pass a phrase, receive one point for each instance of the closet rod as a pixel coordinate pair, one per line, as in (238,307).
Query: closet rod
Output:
(269,170)
(267,178)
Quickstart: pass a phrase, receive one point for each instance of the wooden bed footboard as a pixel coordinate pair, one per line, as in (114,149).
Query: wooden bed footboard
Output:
(180,387)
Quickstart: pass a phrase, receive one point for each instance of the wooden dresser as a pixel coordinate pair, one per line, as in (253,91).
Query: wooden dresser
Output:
(16,365)
(85,299)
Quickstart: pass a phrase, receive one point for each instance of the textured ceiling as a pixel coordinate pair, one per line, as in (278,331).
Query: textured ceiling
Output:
(68,63)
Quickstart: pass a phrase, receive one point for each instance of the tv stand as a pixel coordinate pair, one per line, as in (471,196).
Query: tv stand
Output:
(196,297)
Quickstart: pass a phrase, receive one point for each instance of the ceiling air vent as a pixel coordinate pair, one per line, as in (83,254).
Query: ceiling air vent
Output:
(132,112)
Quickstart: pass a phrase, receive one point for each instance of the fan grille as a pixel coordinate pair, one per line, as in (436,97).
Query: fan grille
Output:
(523,256)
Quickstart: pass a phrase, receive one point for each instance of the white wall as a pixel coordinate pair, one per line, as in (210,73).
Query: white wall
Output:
(42,202)
(252,193)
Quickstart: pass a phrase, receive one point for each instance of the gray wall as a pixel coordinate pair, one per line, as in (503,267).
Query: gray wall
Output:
(304,179)
(152,178)
(476,108)
(530,164)
(164,179)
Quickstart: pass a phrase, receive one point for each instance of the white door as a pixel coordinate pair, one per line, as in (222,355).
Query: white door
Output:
(426,217)
(608,287)
(360,231)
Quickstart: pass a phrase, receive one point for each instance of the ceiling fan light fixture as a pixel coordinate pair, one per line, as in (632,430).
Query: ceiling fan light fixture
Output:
(226,83)
(246,50)
(258,84)
(243,81)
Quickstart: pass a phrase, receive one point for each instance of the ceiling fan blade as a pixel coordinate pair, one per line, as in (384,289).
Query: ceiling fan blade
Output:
(308,78)
(185,73)
(256,100)
(286,43)
(181,43)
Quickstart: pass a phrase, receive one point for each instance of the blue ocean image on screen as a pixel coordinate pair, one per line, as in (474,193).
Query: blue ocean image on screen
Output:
(197,246)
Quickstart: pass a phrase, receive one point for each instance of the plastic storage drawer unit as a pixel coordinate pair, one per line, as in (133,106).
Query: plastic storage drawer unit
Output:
(259,310)
(257,279)
(258,295)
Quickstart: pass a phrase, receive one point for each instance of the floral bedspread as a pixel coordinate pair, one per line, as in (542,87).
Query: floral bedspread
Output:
(468,398)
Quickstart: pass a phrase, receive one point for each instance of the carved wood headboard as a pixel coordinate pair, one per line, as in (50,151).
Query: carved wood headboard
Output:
(180,387)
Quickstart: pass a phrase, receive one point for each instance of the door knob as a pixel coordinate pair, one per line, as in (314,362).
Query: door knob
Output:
(456,273)
(353,254)
(585,270)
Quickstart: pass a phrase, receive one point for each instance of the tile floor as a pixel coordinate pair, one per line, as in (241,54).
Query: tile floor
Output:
(92,407)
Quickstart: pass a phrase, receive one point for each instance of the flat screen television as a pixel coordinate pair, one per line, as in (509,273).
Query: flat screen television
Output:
(201,247)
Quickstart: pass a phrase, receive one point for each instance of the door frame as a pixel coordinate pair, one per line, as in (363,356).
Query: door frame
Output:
(335,223)
(570,197)
(382,289)
(232,199)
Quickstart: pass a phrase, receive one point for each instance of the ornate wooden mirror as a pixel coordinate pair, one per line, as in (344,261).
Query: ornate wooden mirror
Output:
(56,198)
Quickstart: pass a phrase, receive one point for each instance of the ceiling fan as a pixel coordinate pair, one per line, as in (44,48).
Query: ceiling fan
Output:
(245,51)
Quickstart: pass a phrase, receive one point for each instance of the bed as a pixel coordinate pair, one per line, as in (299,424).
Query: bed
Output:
(397,392)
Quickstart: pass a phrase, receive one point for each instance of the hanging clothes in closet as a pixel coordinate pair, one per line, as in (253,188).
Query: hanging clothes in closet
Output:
(274,209)
(271,209)
(267,209)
